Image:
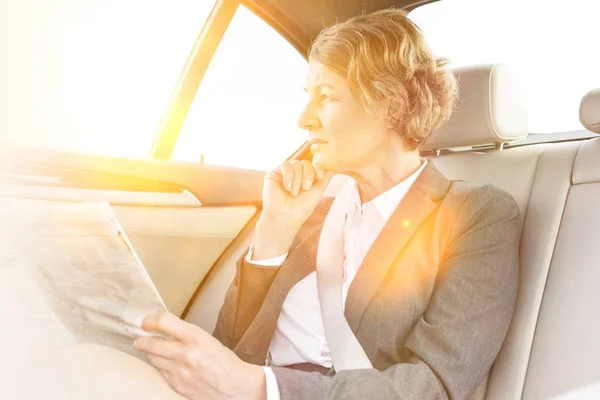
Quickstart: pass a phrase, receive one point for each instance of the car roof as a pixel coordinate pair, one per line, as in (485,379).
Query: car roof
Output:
(299,21)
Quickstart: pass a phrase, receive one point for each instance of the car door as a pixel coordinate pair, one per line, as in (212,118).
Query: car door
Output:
(187,192)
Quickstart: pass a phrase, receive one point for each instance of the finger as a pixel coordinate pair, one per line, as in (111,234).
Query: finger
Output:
(171,325)
(287,173)
(275,175)
(157,346)
(308,175)
(297,181)
(319,171)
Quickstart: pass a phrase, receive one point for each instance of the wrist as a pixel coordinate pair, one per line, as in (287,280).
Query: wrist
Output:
(273,236)
(277,220)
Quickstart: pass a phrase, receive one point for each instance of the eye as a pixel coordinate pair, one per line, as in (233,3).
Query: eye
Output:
(324,96)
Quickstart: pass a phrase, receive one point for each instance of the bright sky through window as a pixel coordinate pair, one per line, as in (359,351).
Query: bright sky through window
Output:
(245,111)
(93,76)
(550,46)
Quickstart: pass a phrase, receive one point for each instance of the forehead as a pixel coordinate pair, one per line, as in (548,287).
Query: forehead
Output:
(318,74)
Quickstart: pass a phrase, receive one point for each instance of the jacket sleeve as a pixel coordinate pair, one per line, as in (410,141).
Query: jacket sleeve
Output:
(456,340)
(243,299)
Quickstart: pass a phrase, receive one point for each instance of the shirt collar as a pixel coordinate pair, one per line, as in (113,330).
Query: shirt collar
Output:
(386,203)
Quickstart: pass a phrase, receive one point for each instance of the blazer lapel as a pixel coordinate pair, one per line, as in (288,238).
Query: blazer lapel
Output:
(301,261)
(419,202)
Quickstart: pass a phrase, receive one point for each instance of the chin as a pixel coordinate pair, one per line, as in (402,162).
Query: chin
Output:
(322,160)
(326,162)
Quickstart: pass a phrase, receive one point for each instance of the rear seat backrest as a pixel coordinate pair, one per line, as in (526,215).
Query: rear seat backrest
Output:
(538,177)
(565,357)
(491,110)
(541,224)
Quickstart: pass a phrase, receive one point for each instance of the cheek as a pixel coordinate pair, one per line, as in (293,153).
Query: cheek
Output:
(353,133)
(345,124)
(335,121)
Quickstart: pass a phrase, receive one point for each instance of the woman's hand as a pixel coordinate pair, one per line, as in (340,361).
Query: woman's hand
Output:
(195,364)
(293,190)
(290,194)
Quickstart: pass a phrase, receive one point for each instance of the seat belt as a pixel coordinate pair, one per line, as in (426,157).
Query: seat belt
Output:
(346,351)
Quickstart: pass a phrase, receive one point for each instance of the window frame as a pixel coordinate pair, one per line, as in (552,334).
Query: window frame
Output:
(190,78)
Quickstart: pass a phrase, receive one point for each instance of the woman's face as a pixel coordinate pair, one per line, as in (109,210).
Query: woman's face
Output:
(352,137)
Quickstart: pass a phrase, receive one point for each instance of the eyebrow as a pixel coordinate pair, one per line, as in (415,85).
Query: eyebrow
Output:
(320,86)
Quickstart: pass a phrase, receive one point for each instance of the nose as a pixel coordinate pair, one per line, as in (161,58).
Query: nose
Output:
(308,118)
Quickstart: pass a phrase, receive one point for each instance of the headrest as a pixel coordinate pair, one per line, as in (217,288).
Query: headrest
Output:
(491,108)
(589,111)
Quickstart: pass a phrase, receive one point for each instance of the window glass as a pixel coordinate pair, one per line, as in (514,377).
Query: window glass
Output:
(92,76)
(245,111)
(551,47)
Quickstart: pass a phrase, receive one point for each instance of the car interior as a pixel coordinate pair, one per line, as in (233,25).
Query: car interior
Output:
(190,223)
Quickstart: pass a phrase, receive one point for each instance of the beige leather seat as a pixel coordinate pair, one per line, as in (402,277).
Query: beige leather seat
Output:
(552,347)
(566,351)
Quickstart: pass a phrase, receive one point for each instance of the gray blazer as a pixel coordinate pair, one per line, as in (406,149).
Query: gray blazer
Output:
(430,304)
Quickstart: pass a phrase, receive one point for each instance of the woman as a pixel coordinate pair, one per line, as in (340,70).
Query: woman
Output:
(420,296)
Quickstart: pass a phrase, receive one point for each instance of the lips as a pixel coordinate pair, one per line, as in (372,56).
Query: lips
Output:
(316,145)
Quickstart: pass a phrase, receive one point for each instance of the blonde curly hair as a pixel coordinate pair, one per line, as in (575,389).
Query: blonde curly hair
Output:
(383,55)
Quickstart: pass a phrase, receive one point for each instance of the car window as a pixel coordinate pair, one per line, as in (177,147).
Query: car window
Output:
(551,48)
(92,76)
(245,111)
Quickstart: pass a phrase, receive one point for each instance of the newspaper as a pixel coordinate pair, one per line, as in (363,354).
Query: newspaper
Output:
(89,273)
